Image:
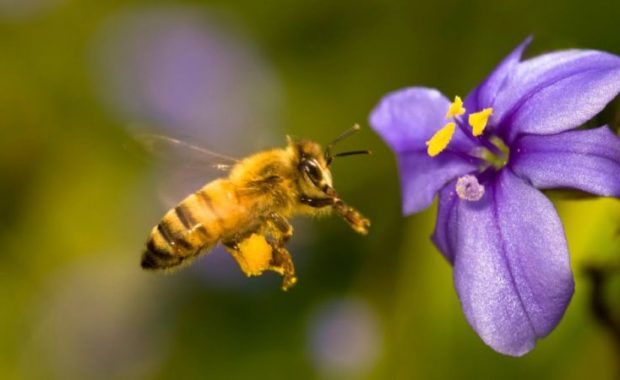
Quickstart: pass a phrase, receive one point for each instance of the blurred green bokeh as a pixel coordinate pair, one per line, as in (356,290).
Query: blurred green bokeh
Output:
(77,205)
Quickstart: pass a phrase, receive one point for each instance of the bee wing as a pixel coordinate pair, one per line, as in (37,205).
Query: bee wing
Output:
(183,153)
(182,166)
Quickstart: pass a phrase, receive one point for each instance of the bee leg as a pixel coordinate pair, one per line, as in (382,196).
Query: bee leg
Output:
(256,254)
(356,220)
(317,202)
(281,262)
(233,248)
(253,254)
(281,229)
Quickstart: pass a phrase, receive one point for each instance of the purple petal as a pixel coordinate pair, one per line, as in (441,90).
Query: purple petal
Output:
(484,95)
(556,92)
(511,266)
(421,177)
(406,119)
(587,160)
(446,226)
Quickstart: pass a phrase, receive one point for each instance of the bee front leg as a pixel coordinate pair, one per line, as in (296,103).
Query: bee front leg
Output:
(317,202)
(356,220)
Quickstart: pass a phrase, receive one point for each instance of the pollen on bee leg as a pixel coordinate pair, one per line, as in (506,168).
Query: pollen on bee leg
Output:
(256,253)
(469,189)
(456,108)
(440,139)
(478,121)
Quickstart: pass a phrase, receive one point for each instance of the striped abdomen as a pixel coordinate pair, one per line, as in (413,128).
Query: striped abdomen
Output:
(194,225)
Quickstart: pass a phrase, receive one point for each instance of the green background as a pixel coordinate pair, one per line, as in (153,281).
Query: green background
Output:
(77,205)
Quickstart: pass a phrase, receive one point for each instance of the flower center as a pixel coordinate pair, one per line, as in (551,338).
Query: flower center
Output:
(478,122)
(492,152)
(497,155)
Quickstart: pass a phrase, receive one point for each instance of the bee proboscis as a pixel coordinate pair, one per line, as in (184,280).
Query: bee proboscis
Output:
(248,211)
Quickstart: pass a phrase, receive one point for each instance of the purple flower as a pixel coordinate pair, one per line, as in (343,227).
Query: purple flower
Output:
(486,158)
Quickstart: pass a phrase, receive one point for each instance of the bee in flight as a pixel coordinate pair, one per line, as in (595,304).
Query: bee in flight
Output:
(247,212)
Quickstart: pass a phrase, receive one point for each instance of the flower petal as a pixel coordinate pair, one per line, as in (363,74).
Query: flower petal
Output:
(587,160)
(511,266)
(421,177)
(556,92)
(446,226)
(484,95)
(406,120)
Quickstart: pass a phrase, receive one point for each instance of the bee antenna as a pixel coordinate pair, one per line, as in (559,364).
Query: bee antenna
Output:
(328,150)
(353,153)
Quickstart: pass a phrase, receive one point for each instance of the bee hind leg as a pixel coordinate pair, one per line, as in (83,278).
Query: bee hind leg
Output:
(253,254)
(282,263)
(281,231)
(257,253)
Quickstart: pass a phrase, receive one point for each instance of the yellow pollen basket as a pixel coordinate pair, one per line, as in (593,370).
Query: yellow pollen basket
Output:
(440,139)
(456,108)
(478,121)
(256,254)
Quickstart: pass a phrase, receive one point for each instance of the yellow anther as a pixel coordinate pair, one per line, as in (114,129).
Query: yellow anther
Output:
(478,120)
(456,108)
(440,139)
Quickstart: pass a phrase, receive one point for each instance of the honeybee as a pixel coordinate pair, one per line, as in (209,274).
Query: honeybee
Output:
(248,211)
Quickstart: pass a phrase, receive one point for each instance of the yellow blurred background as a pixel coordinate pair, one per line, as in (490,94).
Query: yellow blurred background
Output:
(79,79)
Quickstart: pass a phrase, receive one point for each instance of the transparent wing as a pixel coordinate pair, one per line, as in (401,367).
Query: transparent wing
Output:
(181,167)
(168,149)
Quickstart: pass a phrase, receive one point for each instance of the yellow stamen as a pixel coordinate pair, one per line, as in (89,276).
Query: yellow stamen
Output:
(478,120)
(440,139)
(456,108)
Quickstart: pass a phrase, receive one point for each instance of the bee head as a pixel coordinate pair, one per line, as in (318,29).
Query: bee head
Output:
(313,163)
(315,176)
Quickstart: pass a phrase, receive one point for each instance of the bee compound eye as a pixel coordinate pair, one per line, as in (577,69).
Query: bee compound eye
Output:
(313,170)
